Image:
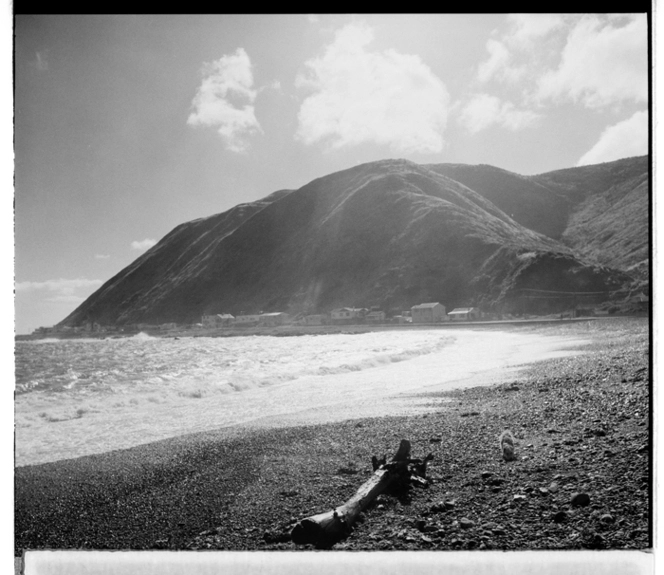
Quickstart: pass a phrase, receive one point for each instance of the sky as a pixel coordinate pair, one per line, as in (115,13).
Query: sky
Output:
(126,126)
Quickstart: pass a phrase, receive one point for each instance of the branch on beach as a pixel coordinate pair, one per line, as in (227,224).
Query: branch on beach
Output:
(327,528)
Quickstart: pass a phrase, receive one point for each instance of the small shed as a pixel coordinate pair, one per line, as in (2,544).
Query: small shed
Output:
(218,320)
(428,313)
(464,314)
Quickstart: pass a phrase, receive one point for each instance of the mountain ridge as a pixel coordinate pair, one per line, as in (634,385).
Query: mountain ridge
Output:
(390,233)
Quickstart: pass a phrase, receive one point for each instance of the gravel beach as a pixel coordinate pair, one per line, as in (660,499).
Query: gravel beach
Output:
(581,478)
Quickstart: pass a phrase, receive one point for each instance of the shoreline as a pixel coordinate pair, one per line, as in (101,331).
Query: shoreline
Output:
(297,330)
(387,384)
(581,423)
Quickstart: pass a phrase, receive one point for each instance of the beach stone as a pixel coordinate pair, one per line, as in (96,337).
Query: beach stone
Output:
(543,491)
(607,518)
(489,526)
(450,504)
(466,523)
(580,499)
(554,487)
(486,474)
(559,517)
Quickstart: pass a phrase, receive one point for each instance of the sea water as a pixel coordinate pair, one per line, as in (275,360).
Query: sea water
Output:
(85,396)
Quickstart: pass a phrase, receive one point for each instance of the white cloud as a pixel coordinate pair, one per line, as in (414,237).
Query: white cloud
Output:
(602,64)
(143,245)
(64,287)
(362,96)
(484,110)
(497,62)
(511,56)
(622,140)
(102,256)
(225,100)
(598,61)
(529,28)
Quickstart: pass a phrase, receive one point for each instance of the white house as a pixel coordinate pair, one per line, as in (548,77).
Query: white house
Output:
(428,313)
(375,316)
(272,319)
(247,320)
(347,314)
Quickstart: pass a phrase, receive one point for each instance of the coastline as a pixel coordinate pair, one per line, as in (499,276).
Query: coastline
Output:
(581,423)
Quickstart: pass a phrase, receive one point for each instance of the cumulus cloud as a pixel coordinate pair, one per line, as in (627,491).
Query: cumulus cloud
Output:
(143,245)
(62,289)
(360,96)
(511,55)
(529,28)
(496,63)
(484,110)
(603,63)
(622,140)
(225,100)
(595,60)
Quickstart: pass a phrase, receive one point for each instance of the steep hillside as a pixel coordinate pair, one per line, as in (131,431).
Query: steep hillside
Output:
(609,221)
(600,211)
(533,205)
(389,233)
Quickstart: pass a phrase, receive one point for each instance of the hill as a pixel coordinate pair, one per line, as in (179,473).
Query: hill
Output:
(390,233)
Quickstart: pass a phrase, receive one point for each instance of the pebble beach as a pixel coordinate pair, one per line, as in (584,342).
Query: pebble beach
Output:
(581,478)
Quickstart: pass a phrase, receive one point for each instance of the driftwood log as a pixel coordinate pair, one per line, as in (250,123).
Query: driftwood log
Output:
(327,528)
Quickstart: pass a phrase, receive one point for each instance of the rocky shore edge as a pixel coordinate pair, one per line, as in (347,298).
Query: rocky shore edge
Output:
(581,477)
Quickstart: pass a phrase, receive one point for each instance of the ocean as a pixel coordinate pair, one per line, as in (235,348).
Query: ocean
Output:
(85,396)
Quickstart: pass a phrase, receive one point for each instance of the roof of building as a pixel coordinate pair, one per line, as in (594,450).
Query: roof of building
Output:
(462,310)
(426,305)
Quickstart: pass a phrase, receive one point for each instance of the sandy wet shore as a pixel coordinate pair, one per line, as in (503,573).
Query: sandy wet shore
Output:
(378,388)
(581,423)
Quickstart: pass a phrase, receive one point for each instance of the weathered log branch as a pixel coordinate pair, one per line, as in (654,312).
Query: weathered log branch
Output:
(327,528)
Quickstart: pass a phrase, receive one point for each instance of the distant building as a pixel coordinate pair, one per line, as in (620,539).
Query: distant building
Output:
(347,314)
(376,316)
(273,319)
(218,320)
(247,320)
(433,312)
(169,325)
(464,314)
(642,301)
(314,319)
